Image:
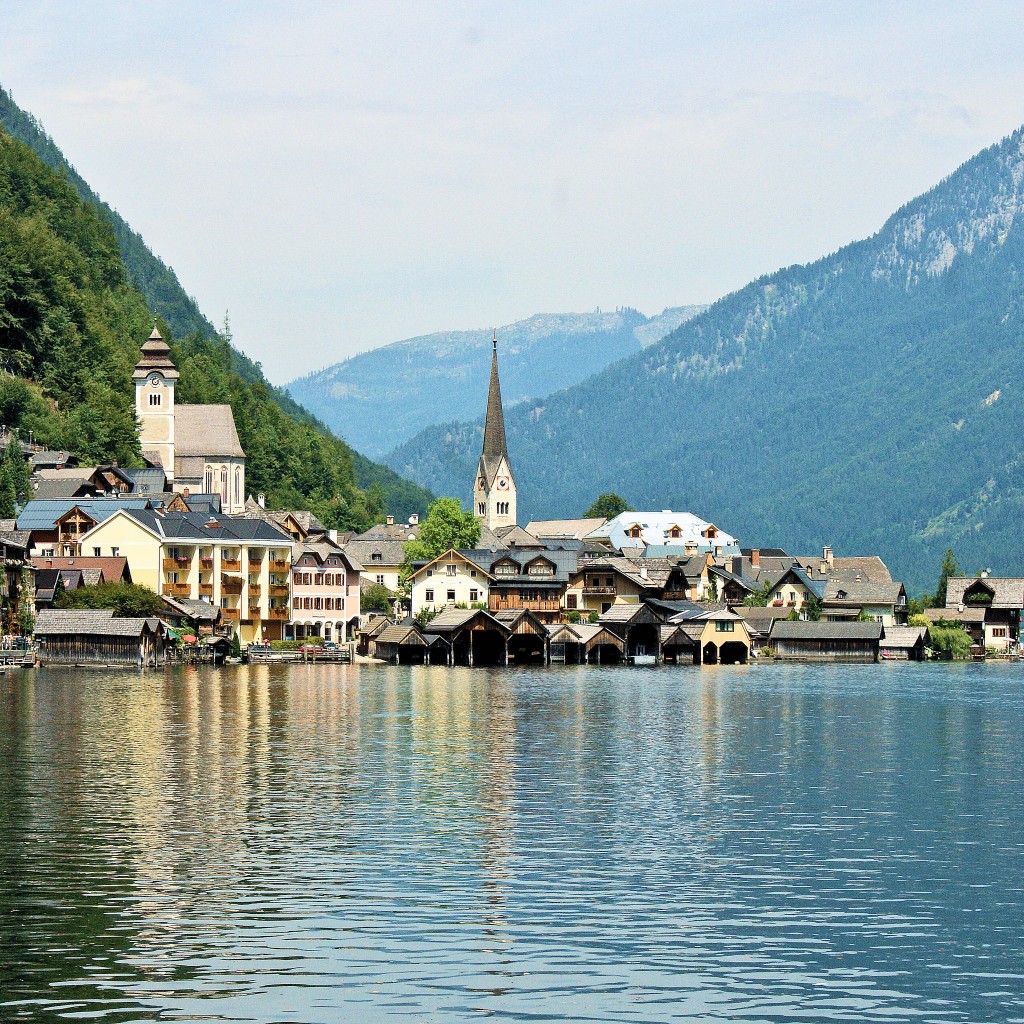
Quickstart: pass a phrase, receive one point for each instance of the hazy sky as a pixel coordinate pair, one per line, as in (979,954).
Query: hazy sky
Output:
(339,176)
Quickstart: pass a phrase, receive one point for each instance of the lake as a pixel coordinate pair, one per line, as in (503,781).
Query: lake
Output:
(362,843)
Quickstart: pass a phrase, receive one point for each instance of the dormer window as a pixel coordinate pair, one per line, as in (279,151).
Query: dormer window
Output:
(541,568)
(506,569)
(634,532)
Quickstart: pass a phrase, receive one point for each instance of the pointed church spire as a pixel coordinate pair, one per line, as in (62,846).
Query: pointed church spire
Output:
(494,425)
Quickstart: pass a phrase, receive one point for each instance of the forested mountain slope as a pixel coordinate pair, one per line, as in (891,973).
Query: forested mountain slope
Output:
(871,400)
(381,398)
(225,368)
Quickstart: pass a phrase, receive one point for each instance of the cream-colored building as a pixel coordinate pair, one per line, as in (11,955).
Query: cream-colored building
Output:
(196,445)
(451,579)
(241,566)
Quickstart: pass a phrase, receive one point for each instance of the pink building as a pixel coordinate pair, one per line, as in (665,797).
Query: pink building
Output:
(325,592)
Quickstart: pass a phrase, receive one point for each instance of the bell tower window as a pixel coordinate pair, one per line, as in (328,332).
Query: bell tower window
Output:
(154,399)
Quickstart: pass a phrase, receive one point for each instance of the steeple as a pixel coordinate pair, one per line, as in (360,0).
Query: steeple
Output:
(494,492)
(494,424)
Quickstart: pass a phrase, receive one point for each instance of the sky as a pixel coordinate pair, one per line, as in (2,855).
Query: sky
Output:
(337,176)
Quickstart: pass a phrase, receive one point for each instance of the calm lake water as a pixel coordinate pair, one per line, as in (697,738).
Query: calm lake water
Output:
(326,844)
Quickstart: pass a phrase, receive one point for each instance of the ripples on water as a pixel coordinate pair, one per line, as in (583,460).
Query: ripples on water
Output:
(363,844)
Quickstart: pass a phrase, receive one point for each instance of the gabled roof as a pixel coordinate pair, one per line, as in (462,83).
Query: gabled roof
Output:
(404,635)
(43,514)
(391,552)
(465,556)
(202,527)
(564,529)
(564,563)
(861,592)
(516,537)
(903,637)
(628,615)
(1007,591)
(198,611)
(784,629)
(628,568)
(114,569)
(969,613)
(201,430)
(65,621)
(451,620)
(655,528)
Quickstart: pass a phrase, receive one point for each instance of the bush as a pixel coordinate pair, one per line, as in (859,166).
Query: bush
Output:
(376,598)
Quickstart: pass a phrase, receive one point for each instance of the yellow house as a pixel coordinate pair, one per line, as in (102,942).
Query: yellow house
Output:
(241,566)
(598,585)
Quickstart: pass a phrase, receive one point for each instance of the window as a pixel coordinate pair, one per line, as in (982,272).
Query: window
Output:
(96,552)
(428,596)
(114,551)
(451,595)
(506,569)
(297,603)
(238,485)
(154,400)
(571,601)
(319,581)
(725,627)
(376,557)
(380,578)
(542,569)
(474,595)
(481,509)
(472,572)
(634,532)
(999,631)
(208,479)
(502,508)
(452,570)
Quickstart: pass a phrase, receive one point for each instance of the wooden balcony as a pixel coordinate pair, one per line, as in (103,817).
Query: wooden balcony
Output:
(278,589)
(279,565)
(206,563)
(206,589)
(233,587)
(177,589)
(279,613)
(677,595)
(229,613)
(254,590)
(177,564)
(502,603)
(599,591)
(231,564)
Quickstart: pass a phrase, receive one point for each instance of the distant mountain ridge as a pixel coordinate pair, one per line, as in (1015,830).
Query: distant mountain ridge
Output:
(871,400)
(383,397)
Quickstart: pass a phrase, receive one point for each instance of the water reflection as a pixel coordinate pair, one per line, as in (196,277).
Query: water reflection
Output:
(331,842)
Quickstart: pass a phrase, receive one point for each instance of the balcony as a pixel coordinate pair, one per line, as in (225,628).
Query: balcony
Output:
(254,590)
(233,587)
(279,613)
(180,564)
(206,562)
(279,590)
(177,589)
(229,613)
(677,595)
(501,604)
(231,564)
(279,565)
(599,591)
(206,589)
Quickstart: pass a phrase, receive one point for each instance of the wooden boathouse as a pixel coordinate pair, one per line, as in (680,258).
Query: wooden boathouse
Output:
(96,637)
(825,641)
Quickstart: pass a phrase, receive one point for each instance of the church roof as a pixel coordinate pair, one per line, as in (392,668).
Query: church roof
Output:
(156,357)
(494,424)
(207,430)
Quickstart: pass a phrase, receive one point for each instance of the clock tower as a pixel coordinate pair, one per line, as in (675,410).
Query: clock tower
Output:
(494,490)
(154,379)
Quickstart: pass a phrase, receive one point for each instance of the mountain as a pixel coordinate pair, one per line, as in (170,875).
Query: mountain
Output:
(871,400)
(228,373)
(381,398)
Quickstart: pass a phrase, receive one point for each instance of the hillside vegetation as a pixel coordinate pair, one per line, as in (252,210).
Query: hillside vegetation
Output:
(228,372)
(870,400)
(382,398)
(71,323)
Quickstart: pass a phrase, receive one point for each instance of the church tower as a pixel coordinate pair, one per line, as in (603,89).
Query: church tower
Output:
(494,494)
(154,379)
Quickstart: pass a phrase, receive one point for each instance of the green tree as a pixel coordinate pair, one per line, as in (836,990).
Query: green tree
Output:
(759,597)
(376,598)
(607,506)
(813,607)
(8,495)
(445,527)
(950,640)
(949,568)
(129,600)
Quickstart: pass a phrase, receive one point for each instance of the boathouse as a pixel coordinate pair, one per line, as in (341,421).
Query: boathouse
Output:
(583,643)
(903,643)
(473,636)
(96,637)
(528,642)
(825,641)
(401,645)
(638,626)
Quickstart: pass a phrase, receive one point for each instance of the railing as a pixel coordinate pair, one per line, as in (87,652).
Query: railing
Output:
(231,564)
(254,590)
(677,595)
(500,604)
(206,563)
(230,587)
(278,589)
(279,565)
(279,613)
(177,589)
(177,564)
(604,591)
(206,589)
(229,613)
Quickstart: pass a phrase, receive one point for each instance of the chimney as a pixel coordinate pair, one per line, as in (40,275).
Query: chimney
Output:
(184,493)
(261,500)
(643,572)
(332,535)
(826,556)
(414,519)
(755,558)
(390,520)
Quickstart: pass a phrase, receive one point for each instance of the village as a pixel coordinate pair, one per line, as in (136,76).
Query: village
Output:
(236,578)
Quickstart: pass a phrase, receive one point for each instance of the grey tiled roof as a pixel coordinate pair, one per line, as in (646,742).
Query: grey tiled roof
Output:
(392,553)
(1008,591)
(205,430)
(195,526)
(903,636)
(783,629)
(860,592)
(64,621)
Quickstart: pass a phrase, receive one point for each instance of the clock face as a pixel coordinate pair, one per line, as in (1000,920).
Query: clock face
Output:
(154,382)
(502,483)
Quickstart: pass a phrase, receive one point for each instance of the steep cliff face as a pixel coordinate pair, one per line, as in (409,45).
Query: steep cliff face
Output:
(870,400)
(381,398)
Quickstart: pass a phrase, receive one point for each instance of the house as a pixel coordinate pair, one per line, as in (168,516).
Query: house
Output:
(528,642)
(79,637)
(652,529)
(715,636)
(971,620)
(81,482)
(850,599)
(903,643)
(453,578)
(1000,598)
(196,446)
(112,569)
(637,625)
(794,589)
(825,640)
(56,526)
(18,594)
(382,560)
(242,566)
(325,592)
(531,578)
(600,583)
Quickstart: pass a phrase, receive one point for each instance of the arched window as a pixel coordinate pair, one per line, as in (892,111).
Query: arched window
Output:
(238,485)
(208,480)
(224,485)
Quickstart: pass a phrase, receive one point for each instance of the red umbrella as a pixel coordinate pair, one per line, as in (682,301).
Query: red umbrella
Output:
(189,638)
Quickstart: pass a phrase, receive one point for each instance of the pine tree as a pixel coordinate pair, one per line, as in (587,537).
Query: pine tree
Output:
(8,494)
(949,568)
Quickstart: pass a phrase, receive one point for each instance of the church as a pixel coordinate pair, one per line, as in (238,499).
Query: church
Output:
(494,491)
(197,446)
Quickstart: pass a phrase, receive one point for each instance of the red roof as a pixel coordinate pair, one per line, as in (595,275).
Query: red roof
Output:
(115,570)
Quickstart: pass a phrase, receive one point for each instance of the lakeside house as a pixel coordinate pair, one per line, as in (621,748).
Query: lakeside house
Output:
(97,637)
(990,606)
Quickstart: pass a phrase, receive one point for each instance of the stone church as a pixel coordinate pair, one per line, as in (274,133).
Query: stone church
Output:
(197,446)
(494,492)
